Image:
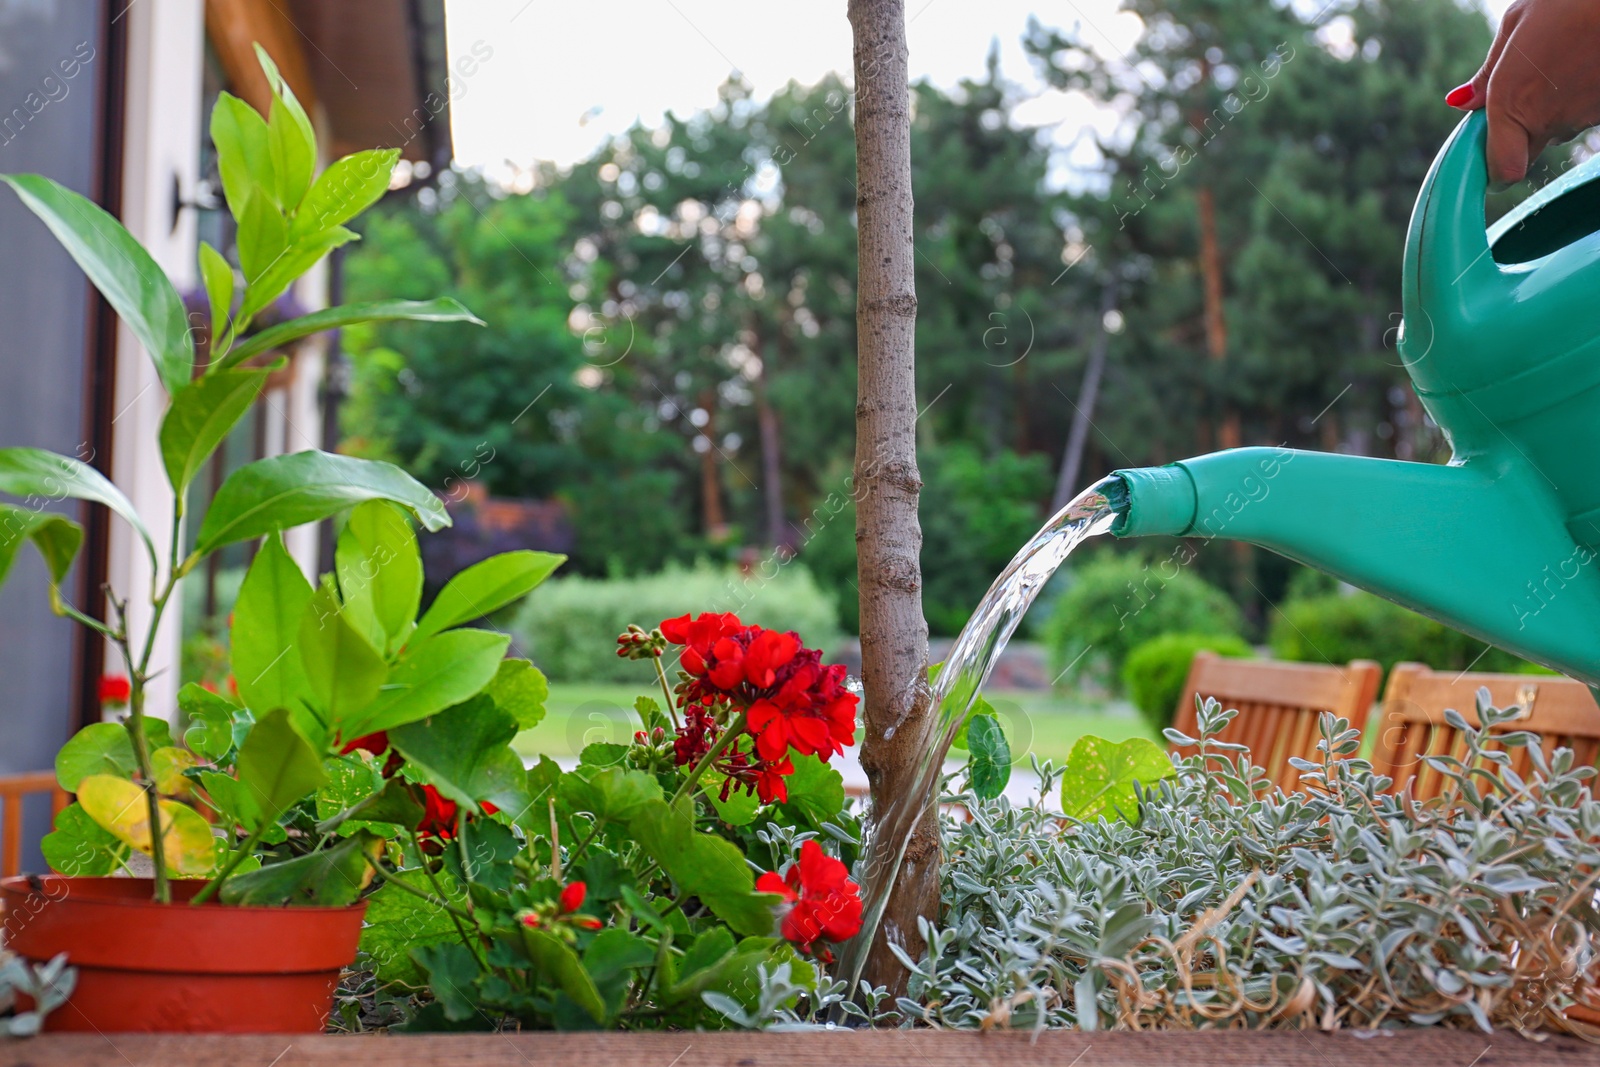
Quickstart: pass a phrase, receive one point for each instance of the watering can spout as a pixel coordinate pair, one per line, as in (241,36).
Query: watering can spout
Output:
(1490,556)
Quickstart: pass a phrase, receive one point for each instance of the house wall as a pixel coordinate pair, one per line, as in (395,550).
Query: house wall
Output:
(52,66)
(161,160)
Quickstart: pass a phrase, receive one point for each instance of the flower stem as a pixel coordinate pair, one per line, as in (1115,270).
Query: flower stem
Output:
(729,736)
(393,878)
(666,691)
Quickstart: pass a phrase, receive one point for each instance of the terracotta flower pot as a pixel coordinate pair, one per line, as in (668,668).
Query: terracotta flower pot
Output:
(176,968)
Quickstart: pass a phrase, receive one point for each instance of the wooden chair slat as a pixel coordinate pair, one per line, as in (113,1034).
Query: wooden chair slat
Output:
(1561,710)
(1278,705)
(13,788)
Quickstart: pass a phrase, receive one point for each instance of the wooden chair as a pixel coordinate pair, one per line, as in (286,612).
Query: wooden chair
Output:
(1278,705)
(13,788)
(1411,724)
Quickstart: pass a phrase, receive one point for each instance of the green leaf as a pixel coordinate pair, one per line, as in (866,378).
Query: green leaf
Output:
(285,491)
(1100,775)
(521,689)
(328,878)
(816,791)
(216,725)
(487,587)
(298,258)
(263,241)
(980,708)
(344,672)
(741,806)
(398,922)
(278,765)
(132,283)
(394,805)
(650,714)
(380,572)
(556,965)
(243,157)
(347,188)
(465,753)
(989,766)
(732,972)
(703,865)
(232,797)
(434,674)
(45,476)
(485,857)
(603,754)
(611,793)
(122,807)
(290,139)
(79,847)
(99,748)
(452,975)
(352,782)
(218,278)
(265,642)
(201,415)
(611,960)
(56,537)
(441,310)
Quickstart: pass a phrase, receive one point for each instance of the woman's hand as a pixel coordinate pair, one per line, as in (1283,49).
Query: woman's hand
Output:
(1541,82)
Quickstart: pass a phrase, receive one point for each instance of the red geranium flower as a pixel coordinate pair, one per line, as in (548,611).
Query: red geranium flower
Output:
(439,814)
(792,699)
(699,636)
(115,689)
(823,903)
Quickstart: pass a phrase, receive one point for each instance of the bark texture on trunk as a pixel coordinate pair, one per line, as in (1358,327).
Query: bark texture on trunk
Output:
(894,635)
(771,449)
(711,514)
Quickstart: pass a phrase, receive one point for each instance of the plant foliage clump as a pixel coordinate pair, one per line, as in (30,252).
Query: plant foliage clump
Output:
(1232,904)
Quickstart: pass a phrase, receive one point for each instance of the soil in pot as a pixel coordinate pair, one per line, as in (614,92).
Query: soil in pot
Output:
(179,968)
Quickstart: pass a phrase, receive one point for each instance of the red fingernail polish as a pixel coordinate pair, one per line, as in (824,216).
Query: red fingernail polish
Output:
(1461,95)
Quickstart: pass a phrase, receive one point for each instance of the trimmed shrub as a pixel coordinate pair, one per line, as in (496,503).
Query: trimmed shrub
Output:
(570,627)
(1117,602)
(1154,673)
(1339,627)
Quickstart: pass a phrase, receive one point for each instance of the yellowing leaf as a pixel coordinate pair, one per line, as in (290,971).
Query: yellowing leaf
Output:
(1101,775)
(119,807)
(168,765)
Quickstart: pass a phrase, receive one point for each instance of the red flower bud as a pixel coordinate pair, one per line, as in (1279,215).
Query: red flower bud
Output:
(572,896)
(115,689)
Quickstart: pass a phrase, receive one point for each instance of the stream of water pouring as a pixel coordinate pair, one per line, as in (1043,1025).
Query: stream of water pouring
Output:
(965,671)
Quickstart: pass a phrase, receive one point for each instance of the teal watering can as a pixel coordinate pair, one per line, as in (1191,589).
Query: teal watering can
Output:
(1501,338)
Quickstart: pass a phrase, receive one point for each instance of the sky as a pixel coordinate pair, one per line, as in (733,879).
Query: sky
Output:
(550,80)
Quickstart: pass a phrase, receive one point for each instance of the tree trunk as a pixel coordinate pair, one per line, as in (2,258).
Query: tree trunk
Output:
(771,450)
(894,635)
(716,525)
(1083,410)
(1216,324)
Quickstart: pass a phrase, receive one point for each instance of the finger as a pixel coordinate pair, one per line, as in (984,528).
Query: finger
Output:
(1480,80)
(1508,150)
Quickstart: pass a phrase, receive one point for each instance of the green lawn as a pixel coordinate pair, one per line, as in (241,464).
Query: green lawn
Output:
(1044,722)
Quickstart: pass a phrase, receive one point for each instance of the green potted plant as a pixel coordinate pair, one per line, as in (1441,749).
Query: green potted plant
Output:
(265,820)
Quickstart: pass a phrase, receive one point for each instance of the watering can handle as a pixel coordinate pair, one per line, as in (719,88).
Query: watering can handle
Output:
(1447,260)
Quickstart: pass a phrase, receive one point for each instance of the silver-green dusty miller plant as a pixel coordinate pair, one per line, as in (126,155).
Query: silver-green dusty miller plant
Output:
(1233,904)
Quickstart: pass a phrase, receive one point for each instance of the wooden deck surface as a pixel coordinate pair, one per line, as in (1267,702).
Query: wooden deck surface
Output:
(1415,1048)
